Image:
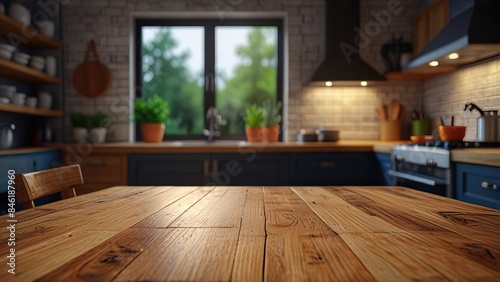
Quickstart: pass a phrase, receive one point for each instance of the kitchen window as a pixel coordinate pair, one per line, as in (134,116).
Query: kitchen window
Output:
(197,64)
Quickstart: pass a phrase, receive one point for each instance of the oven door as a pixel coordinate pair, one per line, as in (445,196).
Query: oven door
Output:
(425,183)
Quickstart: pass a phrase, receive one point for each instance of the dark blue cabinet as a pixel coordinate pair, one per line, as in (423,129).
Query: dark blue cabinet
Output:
(168,169)
(478,184)
(26,162)
(258,169)
(384,165)
(334,169)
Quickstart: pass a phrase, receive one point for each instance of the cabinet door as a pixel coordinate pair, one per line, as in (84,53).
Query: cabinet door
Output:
(437,17)
(255,169)
(47,160)
(420,31)
(17,163)
(334,169)
(478,184)
(168,169)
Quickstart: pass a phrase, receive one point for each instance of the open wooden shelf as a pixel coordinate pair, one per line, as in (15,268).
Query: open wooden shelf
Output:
(30,110)
(20,72)
(420,73)
(19,33)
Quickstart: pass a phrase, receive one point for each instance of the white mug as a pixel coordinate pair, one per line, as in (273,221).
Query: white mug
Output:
(44,100)
(31,101)
(47,28)
(51,65)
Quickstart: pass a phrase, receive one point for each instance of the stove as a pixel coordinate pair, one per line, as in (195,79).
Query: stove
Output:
(427,167)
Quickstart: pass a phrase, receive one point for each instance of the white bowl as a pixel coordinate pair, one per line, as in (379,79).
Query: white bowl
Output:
(31,101)
(4,100)
(19,99)
(21,61)
(7,91)
(5,54)
(20,13)
(37,65)
(38,58)
(7,47)
(22,55)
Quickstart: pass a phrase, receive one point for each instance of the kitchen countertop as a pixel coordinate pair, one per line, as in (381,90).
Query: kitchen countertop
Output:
(223,146)
(207,233)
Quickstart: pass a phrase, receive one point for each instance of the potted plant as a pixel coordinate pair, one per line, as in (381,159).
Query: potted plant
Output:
(98,124)
(79,121)
(270,123)
(152,113)
(253,123)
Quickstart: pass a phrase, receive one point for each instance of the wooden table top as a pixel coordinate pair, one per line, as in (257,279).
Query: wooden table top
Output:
(255,234)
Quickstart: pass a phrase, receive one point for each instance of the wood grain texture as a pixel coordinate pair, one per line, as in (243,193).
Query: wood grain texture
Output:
(255,234)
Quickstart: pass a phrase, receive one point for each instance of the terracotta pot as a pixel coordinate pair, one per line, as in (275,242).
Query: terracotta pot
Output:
(152,132)
(254,135)
(270,134)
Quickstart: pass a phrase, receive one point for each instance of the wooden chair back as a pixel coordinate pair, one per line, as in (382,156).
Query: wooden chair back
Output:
(33,185)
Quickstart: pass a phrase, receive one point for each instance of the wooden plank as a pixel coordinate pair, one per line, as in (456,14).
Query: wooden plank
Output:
(164,217)
(249,260)
(186,254)
(419,256)
(300,247)
(222,207)
(253,222)
(45,255)
(338,214)
(105,261)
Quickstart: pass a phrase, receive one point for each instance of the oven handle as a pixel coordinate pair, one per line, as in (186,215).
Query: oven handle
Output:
(412,178)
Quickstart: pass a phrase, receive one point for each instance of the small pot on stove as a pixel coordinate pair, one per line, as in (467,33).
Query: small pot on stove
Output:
(488,124)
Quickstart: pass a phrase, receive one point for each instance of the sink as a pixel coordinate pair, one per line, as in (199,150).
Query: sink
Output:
(207,143)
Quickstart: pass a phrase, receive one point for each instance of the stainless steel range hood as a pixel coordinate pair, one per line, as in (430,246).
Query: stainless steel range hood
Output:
(342,64)
(473,33)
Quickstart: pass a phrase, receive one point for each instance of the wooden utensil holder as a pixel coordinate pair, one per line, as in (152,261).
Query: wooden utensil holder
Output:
(390,130)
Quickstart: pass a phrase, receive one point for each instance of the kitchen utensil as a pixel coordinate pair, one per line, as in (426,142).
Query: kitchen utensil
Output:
(50,65)
(6,135)
(327,135)
(20,13)
(452,133)
(21,58)
(488,124)
(382,111)
(92,78)
(307,135)
(394,110)
(420,127)
(420,139)
(44,100)
(436,123)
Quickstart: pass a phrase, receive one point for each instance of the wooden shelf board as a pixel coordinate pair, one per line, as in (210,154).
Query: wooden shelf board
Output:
(18,33)
(420,73)
(30,110)
(17,71)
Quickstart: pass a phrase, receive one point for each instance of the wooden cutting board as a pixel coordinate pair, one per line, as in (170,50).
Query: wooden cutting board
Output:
(92,78)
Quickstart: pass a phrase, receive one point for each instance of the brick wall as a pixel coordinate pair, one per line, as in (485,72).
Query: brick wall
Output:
(349,109)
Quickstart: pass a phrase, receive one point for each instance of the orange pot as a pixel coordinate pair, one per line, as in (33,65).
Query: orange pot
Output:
(152,132)
(270,134)
(254,135)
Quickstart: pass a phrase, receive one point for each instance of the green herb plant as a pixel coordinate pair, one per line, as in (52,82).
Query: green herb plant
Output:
(99,120)
(79,120)
(151,110)
(271,113)
(253,116)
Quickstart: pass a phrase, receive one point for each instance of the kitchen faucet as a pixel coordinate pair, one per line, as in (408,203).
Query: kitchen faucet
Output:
(213,117)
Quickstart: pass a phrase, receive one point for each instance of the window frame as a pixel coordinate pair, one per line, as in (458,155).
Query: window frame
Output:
(209,97)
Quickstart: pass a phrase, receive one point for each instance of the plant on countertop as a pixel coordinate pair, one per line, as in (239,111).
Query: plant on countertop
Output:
(79,120)
(253,122)
(152,112)
(99,120)
(98,124)
(272,118)
(253,117)
(271,115)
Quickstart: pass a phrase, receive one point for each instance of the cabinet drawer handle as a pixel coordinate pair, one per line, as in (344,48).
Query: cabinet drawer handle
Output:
(96,164)
(488,186)
(326,164)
